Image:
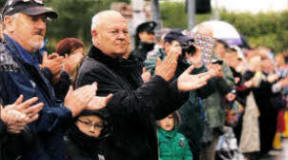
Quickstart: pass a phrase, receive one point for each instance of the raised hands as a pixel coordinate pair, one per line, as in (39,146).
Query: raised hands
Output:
(166,69)
(215,70)
(54,63)
(84,98)
(98,102)
(188,82)
(77,100)
(16,116)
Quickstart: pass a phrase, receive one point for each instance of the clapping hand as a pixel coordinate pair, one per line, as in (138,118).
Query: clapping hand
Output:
(98,102)
(18,115)
(188,82)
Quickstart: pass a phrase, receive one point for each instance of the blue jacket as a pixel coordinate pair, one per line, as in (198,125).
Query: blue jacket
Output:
(19,76)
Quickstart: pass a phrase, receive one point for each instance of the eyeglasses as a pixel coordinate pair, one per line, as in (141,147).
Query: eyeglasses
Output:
(90,124)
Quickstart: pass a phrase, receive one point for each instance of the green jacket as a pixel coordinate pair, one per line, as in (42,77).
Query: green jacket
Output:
(173,146)
(213,104)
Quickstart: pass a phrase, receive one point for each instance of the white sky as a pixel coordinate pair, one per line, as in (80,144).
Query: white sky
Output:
(251,5)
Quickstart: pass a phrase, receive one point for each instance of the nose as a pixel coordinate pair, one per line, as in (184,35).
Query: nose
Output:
(41,24)
(92,129)
(122,35)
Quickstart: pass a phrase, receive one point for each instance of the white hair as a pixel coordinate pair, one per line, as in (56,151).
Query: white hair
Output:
(97,18)
(14,16)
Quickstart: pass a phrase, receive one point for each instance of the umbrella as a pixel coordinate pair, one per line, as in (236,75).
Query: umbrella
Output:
(222,30)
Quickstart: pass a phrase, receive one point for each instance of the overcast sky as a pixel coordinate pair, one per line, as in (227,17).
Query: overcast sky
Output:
(252,5)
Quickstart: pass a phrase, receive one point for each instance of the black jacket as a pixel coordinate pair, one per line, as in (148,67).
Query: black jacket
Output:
(134,107)
(79,146)
(142,50)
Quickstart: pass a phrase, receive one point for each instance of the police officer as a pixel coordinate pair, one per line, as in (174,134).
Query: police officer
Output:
(144,39)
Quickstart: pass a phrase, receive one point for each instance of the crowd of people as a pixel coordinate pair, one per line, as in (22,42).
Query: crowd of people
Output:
(158,101)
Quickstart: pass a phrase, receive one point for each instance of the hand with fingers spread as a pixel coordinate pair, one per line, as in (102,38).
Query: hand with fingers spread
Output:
(54,63)
(166,69)
(188,82)
(16,116)
(77,100)
(98,102)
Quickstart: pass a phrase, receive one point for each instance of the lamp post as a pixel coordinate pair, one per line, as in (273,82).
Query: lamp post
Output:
(191,13)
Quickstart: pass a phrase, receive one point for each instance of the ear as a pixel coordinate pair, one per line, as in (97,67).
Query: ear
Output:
(141,35)
(187,55)
(166,47)
(8,23)
(94,35)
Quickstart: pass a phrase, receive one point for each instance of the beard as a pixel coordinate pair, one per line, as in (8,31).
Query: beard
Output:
(36,44)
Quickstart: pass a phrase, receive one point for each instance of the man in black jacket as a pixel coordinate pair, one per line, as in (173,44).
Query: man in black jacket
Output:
(134,106)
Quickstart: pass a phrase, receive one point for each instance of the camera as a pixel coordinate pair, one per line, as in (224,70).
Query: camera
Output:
(217,61)
(188,47)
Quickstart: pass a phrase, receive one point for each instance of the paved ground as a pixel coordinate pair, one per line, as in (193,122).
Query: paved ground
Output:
(280,155)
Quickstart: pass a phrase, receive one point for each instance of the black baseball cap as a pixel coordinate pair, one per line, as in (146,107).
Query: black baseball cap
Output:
(177,35)
(146,27)
(28,7)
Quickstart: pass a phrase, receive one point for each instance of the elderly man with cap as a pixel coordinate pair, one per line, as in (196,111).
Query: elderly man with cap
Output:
(24,30)
(144,40)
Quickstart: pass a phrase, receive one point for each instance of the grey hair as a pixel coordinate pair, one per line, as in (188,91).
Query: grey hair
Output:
(14,16)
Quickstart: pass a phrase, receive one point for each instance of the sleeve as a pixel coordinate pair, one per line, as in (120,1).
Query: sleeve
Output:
(155,96)
(61,88)
(3,128)
(206,90)
(53,117)
(47,73)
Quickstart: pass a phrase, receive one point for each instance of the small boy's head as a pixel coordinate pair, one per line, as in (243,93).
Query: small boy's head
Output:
(168,123)
(91,123)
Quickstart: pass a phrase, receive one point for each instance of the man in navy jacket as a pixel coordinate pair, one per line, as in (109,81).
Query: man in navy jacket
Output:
(24,28)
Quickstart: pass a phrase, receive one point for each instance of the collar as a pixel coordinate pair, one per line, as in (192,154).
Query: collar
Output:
(146,46)
(169,134)
(33,59)
(113,63)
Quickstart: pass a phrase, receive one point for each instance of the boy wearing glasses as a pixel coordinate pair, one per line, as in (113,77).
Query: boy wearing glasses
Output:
(87,138)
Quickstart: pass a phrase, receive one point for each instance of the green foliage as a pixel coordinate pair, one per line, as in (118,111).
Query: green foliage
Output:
(267,29)
(174,15)
(2,2)
(74,19)
(263,29)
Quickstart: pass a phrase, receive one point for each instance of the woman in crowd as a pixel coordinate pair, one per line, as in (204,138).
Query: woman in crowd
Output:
(73,51)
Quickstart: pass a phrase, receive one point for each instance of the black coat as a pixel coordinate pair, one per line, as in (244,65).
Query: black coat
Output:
(134,106)
(142,50)
(79,146)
